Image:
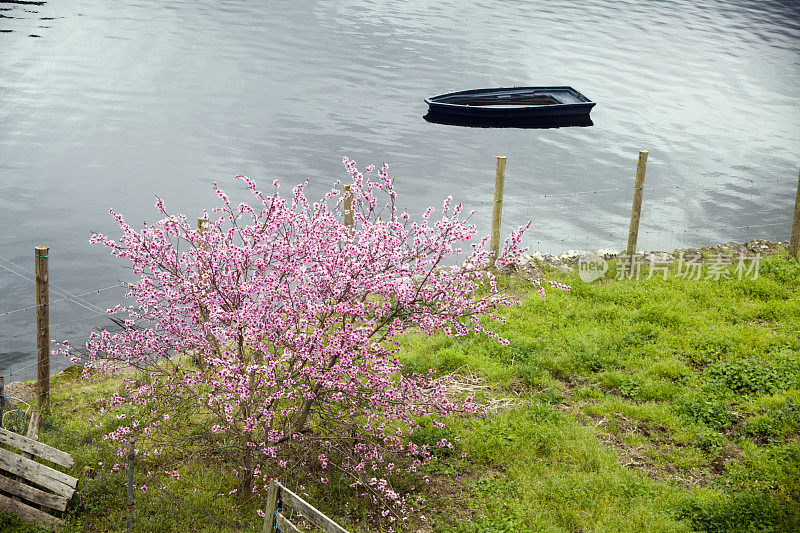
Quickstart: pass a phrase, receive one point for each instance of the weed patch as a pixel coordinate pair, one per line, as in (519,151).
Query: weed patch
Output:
(713,413)
(753,376)
(746,512)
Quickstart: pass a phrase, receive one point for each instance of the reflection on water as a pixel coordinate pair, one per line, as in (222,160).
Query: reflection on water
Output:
(23,3)
(521,123)
(115,102)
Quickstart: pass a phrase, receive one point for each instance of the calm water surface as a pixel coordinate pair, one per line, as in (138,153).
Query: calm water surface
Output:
(104,104)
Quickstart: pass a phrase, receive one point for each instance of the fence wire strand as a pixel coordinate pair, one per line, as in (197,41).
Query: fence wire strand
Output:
(673,215)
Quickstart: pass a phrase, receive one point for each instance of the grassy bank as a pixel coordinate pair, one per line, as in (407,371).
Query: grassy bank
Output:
(633,405)
(645,405)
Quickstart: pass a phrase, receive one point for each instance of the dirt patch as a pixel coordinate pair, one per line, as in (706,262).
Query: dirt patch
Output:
(655,433)
(444,491)
(762,324)
(610,430)
(19,390)
(638,457)
(728,453)
(734,430)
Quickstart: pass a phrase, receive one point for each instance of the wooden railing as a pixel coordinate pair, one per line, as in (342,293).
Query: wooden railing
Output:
(279,497)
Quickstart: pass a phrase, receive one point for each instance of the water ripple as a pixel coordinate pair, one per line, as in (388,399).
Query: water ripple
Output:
(115,103)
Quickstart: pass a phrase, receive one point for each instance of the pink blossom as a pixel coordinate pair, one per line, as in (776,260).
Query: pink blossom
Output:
(287,321)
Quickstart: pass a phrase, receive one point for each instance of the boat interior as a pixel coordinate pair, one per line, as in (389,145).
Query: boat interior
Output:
(504,100)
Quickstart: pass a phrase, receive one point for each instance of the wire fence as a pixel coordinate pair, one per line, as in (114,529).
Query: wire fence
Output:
(673,216)
(73,316)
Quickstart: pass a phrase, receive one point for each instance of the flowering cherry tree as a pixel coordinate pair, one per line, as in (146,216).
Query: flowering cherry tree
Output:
(272,331)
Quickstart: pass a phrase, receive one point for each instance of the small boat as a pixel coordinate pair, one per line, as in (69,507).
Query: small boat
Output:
(512,103)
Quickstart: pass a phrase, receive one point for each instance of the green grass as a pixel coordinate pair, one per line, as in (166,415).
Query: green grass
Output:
(653,405)
(649,405)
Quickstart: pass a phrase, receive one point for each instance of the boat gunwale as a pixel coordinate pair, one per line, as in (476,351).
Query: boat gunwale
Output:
(584,101)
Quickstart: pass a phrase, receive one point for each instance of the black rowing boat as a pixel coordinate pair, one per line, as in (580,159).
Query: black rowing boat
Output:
(512,103)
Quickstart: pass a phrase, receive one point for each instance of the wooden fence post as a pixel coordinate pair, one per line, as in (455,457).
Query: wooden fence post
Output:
(636,209)
(2,399)
(42,330)
(201,228)
(348,207)
(497,207)
(794,240)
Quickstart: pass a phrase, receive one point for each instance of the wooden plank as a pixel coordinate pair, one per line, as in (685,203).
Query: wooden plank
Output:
(32,494)
(26,512)
(34,447)
(272,504)
(37,473)
(34,425)
(285,526)
(309,512)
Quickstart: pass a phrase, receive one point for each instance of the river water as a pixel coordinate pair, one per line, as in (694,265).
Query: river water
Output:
(105,104)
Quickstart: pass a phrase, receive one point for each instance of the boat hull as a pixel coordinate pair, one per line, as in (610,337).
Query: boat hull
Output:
(533,122)
(512,102)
